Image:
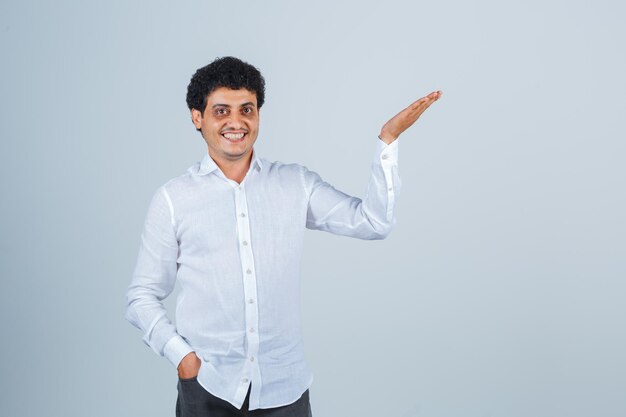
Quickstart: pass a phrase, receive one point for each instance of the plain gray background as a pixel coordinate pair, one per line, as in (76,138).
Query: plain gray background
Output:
(499,293)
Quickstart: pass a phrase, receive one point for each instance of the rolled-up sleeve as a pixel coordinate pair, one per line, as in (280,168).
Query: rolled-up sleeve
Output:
(153,280)
(373,216)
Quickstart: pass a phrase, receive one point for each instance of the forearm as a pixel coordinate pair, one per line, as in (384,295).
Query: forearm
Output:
(153,280)
(369,218)
(148,314)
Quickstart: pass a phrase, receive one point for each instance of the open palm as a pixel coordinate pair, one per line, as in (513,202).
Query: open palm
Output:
(403,120)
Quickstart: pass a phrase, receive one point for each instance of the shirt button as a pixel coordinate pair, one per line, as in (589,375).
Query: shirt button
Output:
(251,301)
(244,380)
(390,188)
(248,271)
(251,358)
(385,156)
(245,243)
(251,330)
(243,214)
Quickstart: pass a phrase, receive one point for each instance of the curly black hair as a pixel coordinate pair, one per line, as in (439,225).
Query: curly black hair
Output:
(227,72)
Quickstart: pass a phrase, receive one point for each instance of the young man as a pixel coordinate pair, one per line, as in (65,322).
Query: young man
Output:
(230,231)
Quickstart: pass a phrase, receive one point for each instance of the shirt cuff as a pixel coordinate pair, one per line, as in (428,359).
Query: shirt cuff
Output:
(176,349)
(387,155)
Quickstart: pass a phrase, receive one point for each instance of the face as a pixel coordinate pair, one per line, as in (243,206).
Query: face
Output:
(229,124)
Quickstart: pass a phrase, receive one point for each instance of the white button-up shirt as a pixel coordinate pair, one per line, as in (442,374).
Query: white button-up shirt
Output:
(235,250)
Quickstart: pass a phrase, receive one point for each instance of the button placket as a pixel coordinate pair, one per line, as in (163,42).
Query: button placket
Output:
(249,285)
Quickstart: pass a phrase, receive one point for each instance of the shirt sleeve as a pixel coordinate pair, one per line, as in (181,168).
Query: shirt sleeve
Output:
(153,280)
(373,217)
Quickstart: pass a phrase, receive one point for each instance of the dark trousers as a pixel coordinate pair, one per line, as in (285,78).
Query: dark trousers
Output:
(194,401)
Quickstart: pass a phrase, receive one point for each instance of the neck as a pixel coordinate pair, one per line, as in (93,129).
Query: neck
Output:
(234,169)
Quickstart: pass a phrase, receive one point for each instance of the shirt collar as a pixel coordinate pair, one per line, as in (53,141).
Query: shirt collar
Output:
(208,165)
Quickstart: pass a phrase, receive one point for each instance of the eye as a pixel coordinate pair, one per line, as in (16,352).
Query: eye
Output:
(220,111)
(247,110)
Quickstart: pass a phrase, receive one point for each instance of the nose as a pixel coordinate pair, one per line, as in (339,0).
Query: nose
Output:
(235,121)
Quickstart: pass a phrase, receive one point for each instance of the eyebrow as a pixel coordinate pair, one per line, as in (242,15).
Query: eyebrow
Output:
(227,105)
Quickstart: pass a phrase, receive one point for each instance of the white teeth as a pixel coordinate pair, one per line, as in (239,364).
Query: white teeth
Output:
(233,136)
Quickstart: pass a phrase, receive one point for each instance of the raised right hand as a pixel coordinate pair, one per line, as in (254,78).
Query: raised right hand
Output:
(403,120)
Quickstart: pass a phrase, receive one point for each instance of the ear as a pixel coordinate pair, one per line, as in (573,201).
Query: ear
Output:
(196,118)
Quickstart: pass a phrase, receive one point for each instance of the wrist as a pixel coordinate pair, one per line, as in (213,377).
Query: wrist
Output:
(387,137)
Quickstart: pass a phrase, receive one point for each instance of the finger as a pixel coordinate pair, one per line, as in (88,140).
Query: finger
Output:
(423,103)
(416,110)
(435,94)
(426,104)
(411,113)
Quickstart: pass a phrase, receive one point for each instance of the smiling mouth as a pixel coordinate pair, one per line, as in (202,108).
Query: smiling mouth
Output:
(234,137)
